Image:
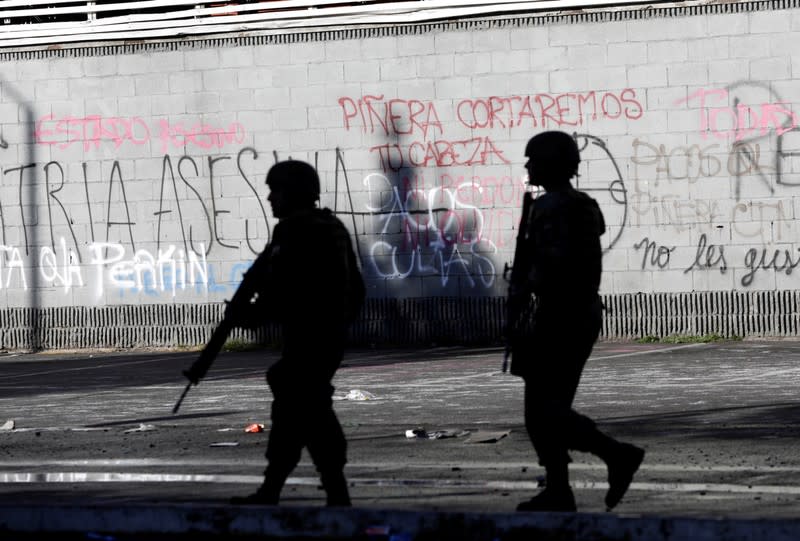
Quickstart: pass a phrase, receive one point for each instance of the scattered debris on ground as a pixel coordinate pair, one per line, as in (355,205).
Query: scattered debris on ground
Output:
(357,395)
(141,428)
(421,433)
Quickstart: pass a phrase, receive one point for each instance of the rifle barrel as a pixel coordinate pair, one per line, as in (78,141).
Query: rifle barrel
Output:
(180,400)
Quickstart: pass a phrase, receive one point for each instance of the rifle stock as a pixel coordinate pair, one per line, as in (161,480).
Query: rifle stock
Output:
(518,290)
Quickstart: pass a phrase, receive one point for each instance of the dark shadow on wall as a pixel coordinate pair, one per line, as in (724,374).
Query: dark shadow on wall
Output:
(414,242)
(427,283)
(429,248)
(19,165)
(431,276)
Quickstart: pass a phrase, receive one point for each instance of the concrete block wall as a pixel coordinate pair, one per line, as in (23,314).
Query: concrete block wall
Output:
(133,175)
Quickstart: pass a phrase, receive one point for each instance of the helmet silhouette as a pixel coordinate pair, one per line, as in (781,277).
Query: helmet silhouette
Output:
(297,180)
(555,154)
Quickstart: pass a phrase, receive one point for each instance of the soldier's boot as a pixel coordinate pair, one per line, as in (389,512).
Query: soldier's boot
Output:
(335,486)
(622,465)
(622,461)
(269,492)
(557,495)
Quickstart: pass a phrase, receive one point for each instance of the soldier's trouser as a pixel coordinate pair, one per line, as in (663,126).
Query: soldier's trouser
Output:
(303,416)
(305,419)
(550,386)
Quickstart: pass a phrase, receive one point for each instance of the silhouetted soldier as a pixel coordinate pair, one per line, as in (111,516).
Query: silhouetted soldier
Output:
(561,265)
(311,285)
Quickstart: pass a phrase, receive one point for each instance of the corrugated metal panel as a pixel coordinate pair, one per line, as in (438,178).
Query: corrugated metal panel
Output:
(44,22)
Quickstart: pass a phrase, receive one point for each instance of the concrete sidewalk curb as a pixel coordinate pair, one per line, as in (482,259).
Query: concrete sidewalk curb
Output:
(323,523)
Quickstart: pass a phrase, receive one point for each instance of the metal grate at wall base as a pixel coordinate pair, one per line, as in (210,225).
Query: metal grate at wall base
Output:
(725,313)
(412,321)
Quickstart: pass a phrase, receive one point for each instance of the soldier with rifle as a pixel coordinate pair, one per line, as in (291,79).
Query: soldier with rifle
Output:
(558,264)
(307,280)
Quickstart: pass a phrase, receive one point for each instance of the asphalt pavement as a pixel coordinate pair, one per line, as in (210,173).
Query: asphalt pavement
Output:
(90,447)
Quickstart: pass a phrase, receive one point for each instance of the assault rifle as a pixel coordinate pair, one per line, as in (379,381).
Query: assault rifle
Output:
(239,309)
(518,304)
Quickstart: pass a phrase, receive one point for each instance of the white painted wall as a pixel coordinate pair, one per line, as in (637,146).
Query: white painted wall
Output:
(138,177)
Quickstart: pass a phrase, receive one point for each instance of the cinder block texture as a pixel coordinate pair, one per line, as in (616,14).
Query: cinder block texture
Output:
(137,178)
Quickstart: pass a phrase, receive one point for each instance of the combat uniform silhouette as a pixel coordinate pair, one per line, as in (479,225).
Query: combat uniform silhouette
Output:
(309,282)
(561,259)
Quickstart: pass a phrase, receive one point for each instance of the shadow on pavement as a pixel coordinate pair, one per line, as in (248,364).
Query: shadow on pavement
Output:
(776,420)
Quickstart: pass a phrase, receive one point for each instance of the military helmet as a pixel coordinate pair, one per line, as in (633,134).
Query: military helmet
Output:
(297,179)
(555,152)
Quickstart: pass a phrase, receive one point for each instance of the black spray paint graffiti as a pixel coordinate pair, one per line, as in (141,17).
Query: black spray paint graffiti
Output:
(118,207)
(747,160)
(782,153)
(212,216)
(710,257)
(190,201)
(442,253)
(747,114)
(707,256)
(609,188)
(196,211)
(691,163)
(441,231)
(781,261)
(657,255)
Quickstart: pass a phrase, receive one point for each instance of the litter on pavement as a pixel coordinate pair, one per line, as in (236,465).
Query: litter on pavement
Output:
(421,433)
(8,425)
(357,395)
(141,428)
(254,428)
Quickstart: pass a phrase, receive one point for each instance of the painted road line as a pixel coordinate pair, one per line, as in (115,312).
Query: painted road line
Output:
(471,465)
(117,364)
(435,353)
(59,391)
(121,477)
(124,477)
(86,368)
(427,382)
(499,352)
(646,352)
(754,374)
